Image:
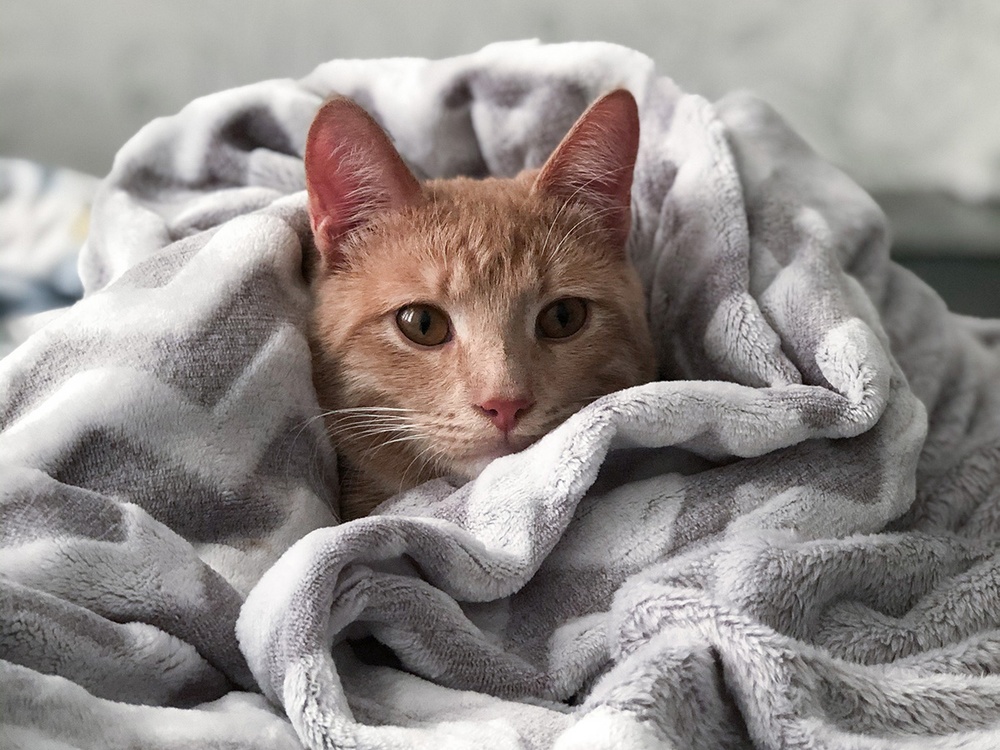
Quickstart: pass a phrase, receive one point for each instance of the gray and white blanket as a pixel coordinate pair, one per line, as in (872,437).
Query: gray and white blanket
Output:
(791,540)
(44,217)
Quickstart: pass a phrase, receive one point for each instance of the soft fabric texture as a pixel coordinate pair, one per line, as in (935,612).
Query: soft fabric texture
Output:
(44,218)
(774,546)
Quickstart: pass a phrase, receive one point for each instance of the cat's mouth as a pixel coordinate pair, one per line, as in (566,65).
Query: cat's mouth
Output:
(473,463)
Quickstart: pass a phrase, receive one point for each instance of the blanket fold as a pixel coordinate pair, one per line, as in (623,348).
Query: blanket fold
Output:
(788,540)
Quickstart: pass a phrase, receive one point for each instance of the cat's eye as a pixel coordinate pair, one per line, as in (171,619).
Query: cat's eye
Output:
(423,324)
(562,318)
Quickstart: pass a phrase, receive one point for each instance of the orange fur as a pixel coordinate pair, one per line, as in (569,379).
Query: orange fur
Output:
(491,254)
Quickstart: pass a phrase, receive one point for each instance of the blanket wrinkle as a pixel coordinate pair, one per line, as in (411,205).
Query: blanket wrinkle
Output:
(787,541)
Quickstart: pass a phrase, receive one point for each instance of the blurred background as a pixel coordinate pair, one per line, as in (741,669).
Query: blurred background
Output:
(904,95)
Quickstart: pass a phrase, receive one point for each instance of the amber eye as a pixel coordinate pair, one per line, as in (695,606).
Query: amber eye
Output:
(562,318)
(423,324)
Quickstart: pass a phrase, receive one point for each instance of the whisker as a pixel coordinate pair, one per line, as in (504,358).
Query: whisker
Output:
(402,439)
(363,431)
(424,462)
(369,409)
(341,424)
(376,447)
(373,418)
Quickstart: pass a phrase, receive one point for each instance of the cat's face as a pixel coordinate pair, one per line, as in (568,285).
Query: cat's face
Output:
(461,320)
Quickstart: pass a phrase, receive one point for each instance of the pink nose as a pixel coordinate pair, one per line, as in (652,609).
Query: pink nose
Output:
(505,412)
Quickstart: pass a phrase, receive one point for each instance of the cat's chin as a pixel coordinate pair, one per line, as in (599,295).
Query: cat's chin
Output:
(473,466)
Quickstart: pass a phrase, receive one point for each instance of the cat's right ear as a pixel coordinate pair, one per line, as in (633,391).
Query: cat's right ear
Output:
(352,173)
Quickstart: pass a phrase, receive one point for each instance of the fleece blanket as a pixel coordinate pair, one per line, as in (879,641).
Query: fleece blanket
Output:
(44,217)
(789,540)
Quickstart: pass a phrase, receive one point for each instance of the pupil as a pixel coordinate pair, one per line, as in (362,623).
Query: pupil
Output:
(425,322)
(562,314)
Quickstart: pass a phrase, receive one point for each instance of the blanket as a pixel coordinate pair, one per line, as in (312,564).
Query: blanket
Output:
(44,217)
(789,540)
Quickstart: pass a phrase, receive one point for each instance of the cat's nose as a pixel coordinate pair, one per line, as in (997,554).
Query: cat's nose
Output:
(505,412)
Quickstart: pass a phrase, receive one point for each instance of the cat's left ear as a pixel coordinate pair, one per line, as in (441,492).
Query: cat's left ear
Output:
(593,164)
(353,172)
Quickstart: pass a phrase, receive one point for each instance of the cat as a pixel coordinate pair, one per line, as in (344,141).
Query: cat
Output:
(458,320)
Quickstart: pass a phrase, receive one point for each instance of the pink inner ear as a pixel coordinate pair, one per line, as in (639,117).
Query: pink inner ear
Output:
(352,173)
(593,164)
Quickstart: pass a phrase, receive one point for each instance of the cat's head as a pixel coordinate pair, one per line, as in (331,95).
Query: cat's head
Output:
(459,320)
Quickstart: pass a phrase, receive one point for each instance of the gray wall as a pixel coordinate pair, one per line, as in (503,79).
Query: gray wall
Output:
(905,94)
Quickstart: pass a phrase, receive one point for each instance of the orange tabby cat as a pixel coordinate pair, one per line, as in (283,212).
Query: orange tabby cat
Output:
(460,320)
